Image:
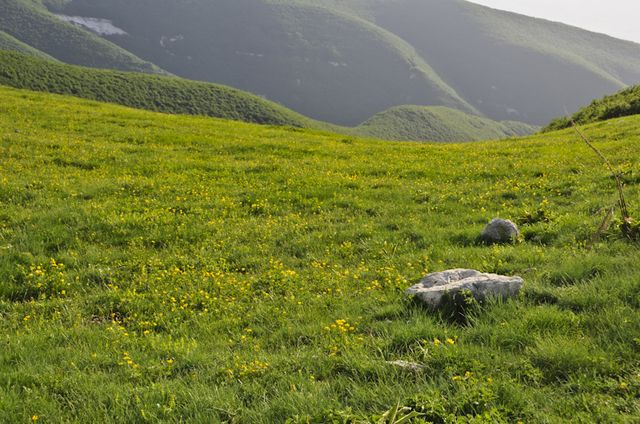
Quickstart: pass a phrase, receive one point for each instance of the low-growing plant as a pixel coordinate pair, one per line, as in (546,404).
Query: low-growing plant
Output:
(629,227)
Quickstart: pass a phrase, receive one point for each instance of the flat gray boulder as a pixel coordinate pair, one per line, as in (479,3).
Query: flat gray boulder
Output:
(500,231)
(435,288)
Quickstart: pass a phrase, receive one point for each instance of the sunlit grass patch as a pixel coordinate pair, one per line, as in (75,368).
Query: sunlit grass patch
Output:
(213,271)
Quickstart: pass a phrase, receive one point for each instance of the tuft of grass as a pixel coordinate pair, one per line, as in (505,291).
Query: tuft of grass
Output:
(629,228)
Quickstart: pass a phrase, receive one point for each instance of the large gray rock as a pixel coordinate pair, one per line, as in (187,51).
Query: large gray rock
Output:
(436,287)
(500,231)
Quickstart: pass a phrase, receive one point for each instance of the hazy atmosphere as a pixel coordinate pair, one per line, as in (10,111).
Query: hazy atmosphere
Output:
(618,18)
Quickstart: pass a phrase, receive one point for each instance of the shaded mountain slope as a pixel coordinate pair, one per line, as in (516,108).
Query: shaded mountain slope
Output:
(511,66)
(30,23)
(343,61)
(8,42)
(323,63)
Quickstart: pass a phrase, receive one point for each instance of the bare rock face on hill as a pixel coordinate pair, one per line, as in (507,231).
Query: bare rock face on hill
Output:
(500,231)
(436,288)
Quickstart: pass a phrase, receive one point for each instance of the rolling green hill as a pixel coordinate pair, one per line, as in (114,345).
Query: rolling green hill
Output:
(29,22)
(179,96)
(157,93)
(438,124)
(624,103)
(163,268)
(344,61)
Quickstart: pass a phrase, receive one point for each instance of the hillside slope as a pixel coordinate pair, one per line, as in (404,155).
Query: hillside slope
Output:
(344,61)
(308,58)
(438,123)
(30,23)
(518,67)
(162,268)
(150,92)
(623,103)
(8,42)
(180,96)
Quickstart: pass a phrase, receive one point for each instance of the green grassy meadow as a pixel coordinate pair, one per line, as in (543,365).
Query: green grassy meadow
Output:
(158,268)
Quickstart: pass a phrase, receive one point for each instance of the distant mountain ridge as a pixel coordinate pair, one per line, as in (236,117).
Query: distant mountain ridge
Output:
(343,61)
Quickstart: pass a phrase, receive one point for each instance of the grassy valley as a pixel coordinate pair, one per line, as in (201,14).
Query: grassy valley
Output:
(164,268)
(173,249)
(180,96)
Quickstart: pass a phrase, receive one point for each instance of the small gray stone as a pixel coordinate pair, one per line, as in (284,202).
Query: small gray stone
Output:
(411,366)
(500,231)
(434,287)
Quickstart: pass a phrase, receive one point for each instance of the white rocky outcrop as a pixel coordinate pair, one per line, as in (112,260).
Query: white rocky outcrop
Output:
(434,288)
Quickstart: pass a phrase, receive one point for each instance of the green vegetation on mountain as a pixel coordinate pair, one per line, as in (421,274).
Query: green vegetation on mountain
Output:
(438,123)
(512,66)
(33,25)
(623,103)
(8,42)
(322,63)
(344,61)
(151,92)
(179,96)
(162,268)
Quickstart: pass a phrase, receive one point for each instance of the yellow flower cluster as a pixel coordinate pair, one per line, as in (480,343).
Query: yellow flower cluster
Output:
(341,326)
(127,360)
(247,369)
(47,280)
(449,341)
